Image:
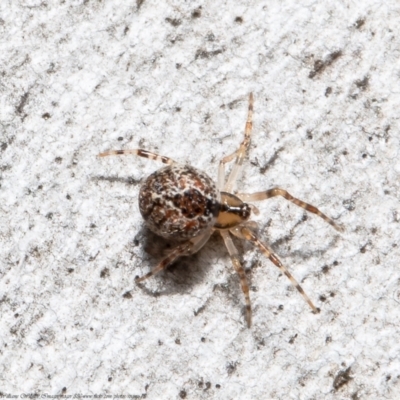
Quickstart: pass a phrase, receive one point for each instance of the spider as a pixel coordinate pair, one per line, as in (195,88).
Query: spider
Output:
(180,202)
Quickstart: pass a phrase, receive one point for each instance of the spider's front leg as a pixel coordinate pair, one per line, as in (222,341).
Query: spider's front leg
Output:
(258,196)
(238,155)
(244,232)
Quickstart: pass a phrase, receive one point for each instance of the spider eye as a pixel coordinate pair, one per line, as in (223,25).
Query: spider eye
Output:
(246,211)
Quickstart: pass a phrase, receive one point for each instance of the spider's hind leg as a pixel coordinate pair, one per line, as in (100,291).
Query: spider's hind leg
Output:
(179,251)
(247,233)
(140,153)
(185,249)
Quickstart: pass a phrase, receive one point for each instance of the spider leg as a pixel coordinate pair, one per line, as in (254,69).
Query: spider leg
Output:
(239,154)
(179,251)
(184,249)
(140,153)
(240,271)
(246,233)
(258,196)
(199,241)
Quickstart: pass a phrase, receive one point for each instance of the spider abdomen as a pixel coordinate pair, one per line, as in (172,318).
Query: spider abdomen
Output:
(179,202)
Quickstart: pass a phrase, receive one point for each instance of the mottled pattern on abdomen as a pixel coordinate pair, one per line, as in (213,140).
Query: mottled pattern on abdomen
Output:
(179,202)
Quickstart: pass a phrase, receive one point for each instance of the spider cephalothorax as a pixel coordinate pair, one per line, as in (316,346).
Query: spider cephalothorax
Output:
(183,203)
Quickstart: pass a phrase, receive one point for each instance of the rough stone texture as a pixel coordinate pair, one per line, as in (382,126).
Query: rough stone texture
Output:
(173,77)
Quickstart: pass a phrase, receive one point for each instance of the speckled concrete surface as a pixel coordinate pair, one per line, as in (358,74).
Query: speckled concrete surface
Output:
(80,77)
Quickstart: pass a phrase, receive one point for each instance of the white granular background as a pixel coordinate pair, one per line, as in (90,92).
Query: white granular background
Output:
(173,77)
